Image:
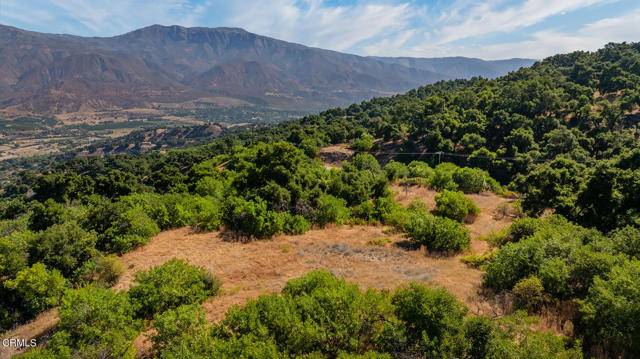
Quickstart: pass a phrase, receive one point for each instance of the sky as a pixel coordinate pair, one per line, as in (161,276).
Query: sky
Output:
(418,28)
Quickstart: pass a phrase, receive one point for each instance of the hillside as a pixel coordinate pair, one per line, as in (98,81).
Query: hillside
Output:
(47,73)
(558,145)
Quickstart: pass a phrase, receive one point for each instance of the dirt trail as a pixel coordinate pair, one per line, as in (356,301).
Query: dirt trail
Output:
(251,269)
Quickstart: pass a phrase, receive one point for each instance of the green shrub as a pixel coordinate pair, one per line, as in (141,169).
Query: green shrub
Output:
(207,213)
(9,226)
(471,180)
(436,233)
(316,313)
(330,209)
(367,355)
(171,285)
(421,170)
(11,209)
(121,226)
(513,337)
(443,177)
(245,347)
(448,235)
(611,311)
(13,253)
(363,143)
(95,323)
(479,332)
(555,275)
(295,224)
(45,215)
(65,247)
(456,206)
(528,293)
(359,180)
(37,288)
(478,260)
(433,320)
(211,187)
(396,170)
(627,240)
(252,218)
(523,227)
(182,324)
(102,271)
(511,263)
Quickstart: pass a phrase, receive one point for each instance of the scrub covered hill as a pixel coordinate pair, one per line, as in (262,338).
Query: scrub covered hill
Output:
(563,133)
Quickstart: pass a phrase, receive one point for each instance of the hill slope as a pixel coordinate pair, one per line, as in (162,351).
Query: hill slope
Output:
(60,73)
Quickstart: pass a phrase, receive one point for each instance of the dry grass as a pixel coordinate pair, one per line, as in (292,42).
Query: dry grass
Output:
(42,325)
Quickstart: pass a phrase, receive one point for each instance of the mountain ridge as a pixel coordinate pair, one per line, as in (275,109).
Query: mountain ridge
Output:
(54,73)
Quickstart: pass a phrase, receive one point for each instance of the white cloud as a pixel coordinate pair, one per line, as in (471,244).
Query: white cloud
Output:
(545,43)
(316,24)
(485,19)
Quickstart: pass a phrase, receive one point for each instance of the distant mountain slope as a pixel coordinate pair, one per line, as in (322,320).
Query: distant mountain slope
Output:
(461,67)
(60,73)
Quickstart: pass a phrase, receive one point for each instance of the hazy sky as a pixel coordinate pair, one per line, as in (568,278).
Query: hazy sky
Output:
(422,28)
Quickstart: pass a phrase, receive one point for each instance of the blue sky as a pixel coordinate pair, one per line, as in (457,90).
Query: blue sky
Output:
(420,28)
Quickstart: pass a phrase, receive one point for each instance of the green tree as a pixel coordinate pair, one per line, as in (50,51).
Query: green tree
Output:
(65,247)
(433,319)
(37,288)
(171,285)
(456,206)
(611,311)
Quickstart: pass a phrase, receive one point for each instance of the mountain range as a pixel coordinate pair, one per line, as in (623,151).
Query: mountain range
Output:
(53,73)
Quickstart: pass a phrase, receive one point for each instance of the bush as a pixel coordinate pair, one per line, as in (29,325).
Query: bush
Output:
(295,224)
(421,170)
(65,247)
(627,240)
(456,206)
(207,213)
(528,293)
(12,208)
(176,326)
(433,320)
(45,215)
(121,226)
(13,253)
(102,271)
(523,228)
(95,323)
(363,143)
(316,313)
(330,209)
(471,180)
(436,233)
(443,177)
(479,332)
(171,285)
(37,288)
(360,180)
(396,170)
(511,263)
(252,218)
(211,187)
(611,311)
(555,275)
